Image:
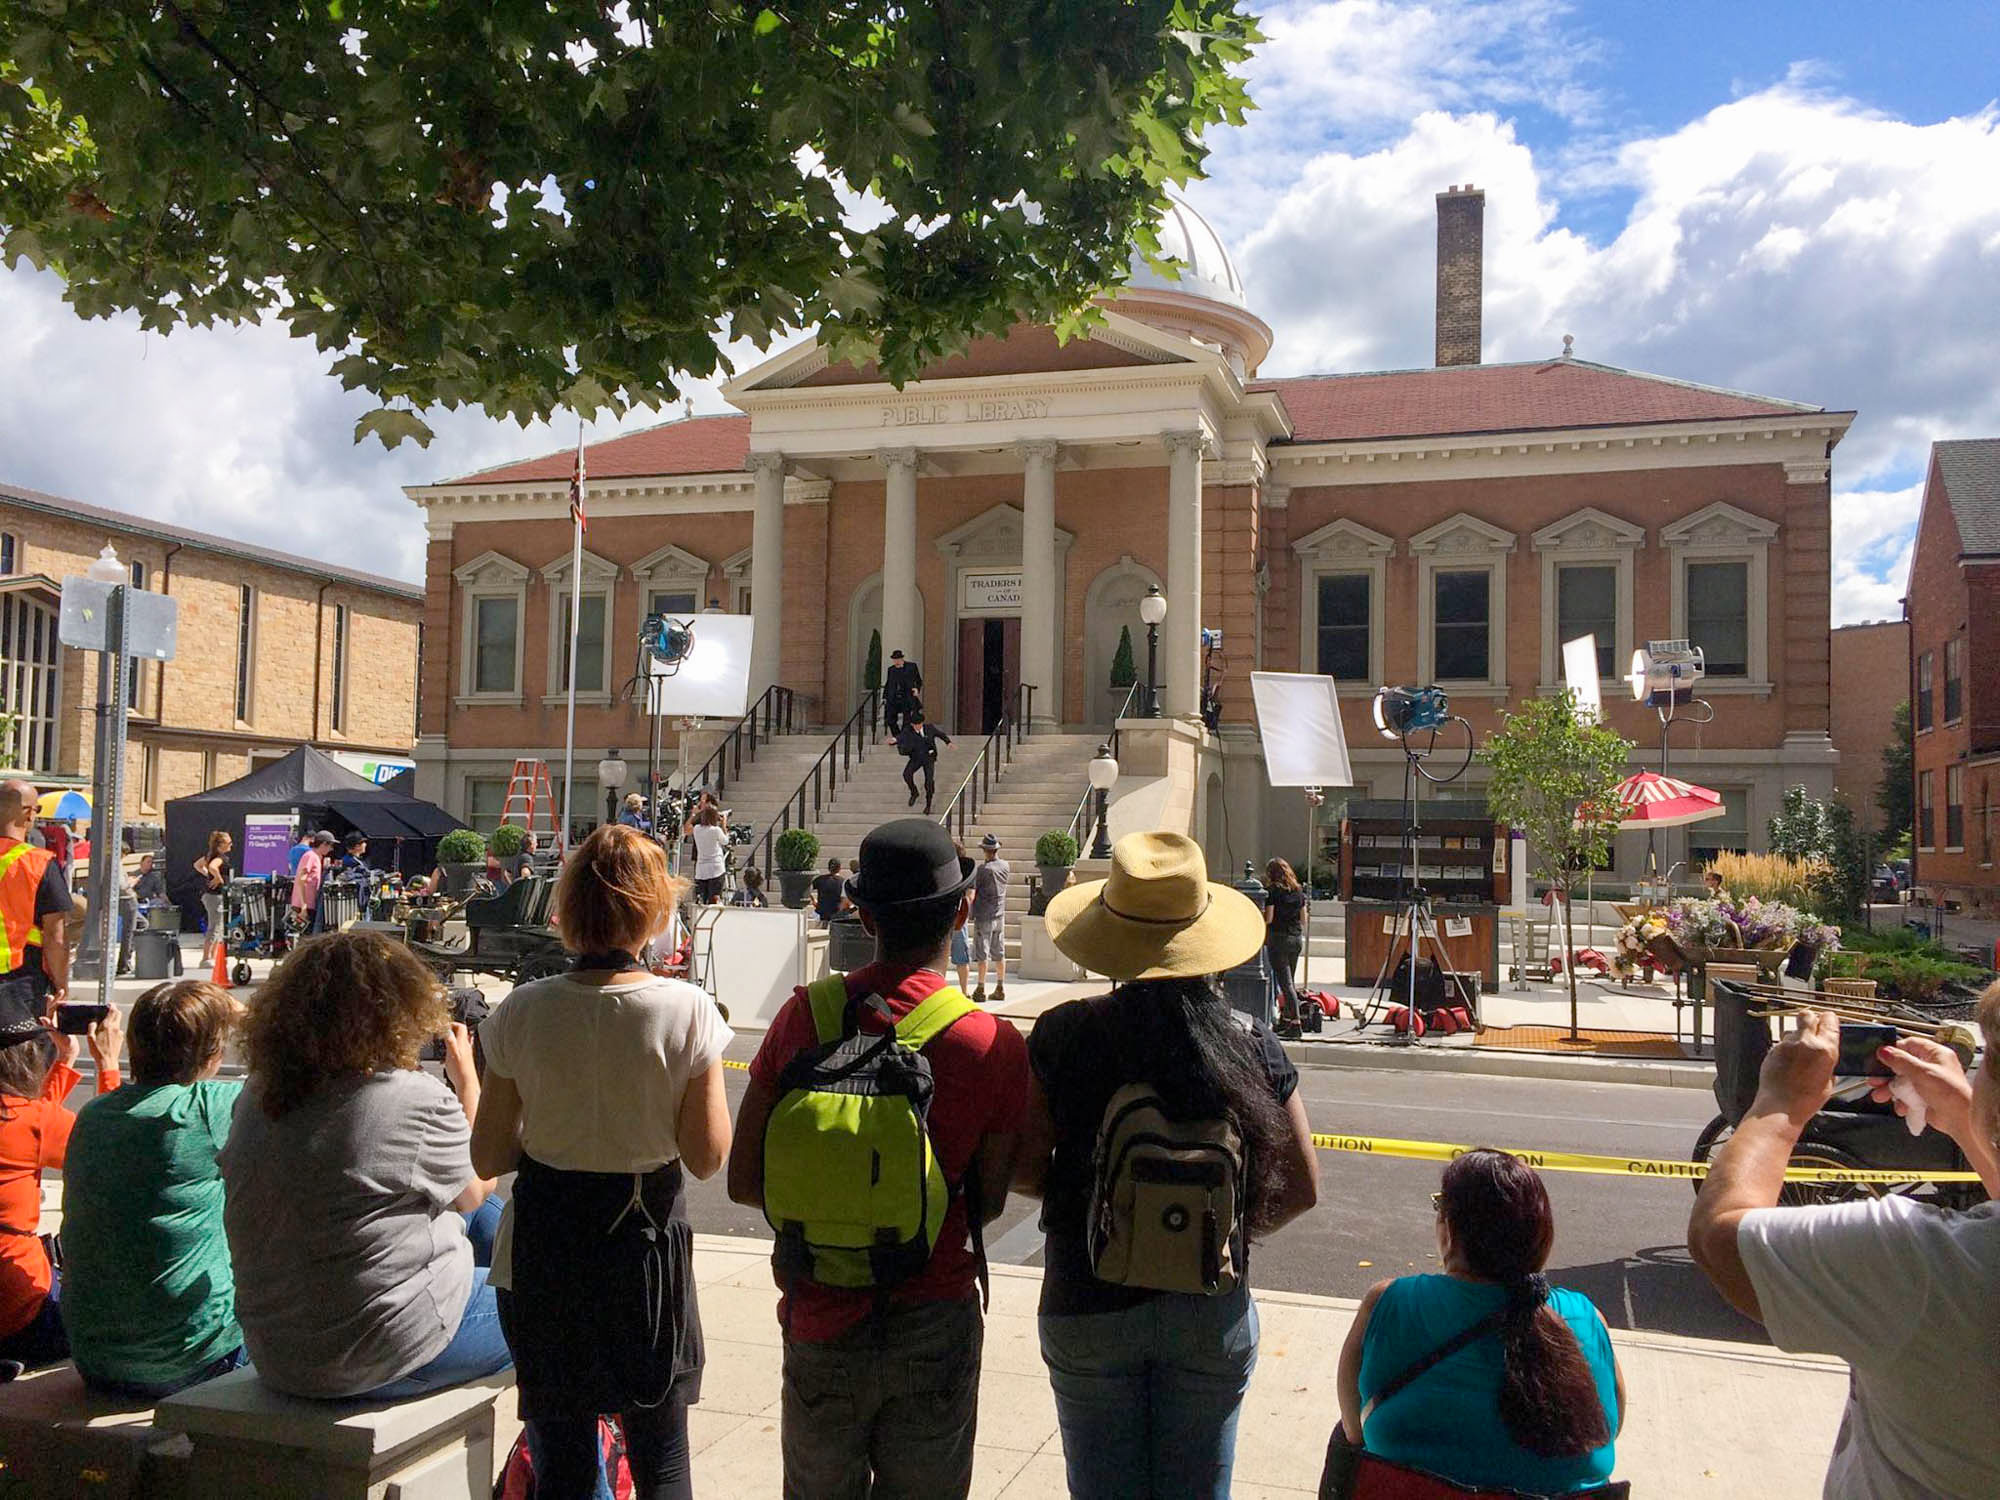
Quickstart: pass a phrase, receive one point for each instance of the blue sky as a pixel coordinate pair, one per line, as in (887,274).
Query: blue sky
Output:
(1797,199)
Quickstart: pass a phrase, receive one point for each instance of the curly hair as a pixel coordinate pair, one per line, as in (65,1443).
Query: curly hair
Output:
(344,1005)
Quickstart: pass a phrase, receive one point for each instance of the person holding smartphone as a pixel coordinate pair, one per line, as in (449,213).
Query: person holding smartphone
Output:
(37,1073)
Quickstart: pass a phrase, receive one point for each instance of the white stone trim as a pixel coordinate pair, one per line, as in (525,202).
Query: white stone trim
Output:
(668,566)
(491,575)
(596,569)
(1463,544)
(1344,546)
(599,580)
(991,539)
(1723,533)
(1589,538)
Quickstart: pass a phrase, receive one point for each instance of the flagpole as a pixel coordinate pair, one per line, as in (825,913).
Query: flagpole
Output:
(575,618)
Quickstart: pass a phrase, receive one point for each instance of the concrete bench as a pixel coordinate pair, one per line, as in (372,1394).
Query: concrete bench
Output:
(251,1443)
(58,1441)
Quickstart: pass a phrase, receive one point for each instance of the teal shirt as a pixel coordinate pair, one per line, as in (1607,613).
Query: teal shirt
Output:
(147,1292)
(1447,1421)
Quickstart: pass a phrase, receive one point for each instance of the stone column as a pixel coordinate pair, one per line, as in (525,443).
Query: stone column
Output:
(1041,587)
(767,572)
(899,559)
(1180,644)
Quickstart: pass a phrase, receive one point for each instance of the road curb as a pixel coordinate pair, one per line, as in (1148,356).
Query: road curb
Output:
(1497,1062)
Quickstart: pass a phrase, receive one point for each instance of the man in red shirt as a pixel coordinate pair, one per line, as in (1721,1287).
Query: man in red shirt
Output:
(893,1393)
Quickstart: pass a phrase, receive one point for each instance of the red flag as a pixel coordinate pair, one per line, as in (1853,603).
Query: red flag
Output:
(576,487)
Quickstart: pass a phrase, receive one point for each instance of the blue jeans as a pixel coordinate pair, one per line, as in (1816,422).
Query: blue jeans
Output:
(43,1341)
(478,1347)
(1147,1399)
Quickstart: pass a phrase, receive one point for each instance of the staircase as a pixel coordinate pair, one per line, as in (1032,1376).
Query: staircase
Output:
(756,796)
(1038,792)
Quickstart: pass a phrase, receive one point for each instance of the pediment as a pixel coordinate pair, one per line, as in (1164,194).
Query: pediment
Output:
(737,564)
(1589,530)
(670,563)
(595,569)
(1344,538)
(1720,525)
(1462,533)
(993,536)
(490,570)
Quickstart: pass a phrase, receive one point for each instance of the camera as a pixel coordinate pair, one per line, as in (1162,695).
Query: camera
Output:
(468,1008)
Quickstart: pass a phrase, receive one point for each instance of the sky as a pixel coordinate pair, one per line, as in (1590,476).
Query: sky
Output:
(1796,199)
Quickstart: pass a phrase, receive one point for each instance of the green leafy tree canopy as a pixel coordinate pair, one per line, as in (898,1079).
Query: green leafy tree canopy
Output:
(525,206)
(1896,796)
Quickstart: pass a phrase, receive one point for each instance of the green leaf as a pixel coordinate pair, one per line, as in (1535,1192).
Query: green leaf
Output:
(391,425)
(767,22)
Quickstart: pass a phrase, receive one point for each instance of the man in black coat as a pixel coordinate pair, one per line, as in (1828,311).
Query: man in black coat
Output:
(902,691)
(918,744)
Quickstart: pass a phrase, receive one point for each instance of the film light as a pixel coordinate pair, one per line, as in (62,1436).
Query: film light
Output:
(667,641)
(1403,711)
(1665,672)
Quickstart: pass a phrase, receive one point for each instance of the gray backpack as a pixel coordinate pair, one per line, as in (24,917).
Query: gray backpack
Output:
(1166,1199)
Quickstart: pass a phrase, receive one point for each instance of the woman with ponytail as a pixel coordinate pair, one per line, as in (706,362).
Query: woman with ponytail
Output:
(1527,1395)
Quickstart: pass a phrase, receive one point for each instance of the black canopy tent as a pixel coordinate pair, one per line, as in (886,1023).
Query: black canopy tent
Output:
(402,831)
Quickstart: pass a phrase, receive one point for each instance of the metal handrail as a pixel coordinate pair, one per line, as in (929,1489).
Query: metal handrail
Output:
(991,762)
(776,706)
(1079,824)
(835,764)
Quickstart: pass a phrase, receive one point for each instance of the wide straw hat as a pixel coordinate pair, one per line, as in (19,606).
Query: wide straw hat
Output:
(1159,916)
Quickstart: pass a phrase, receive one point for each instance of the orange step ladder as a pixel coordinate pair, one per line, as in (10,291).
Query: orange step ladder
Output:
(529,787)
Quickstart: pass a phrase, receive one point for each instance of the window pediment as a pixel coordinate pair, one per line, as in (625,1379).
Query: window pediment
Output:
(491,570)
(1720,525)
(1462,534)
(671,564)
(1589,530)
(595,569)
(1344,539)
(736,566)
(993,536)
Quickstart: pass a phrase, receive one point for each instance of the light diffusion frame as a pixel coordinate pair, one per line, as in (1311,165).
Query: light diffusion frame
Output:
(713,679)
(1580,677)
(1299,719)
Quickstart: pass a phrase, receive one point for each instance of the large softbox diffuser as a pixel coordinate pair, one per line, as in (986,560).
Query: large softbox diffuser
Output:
(1298,717)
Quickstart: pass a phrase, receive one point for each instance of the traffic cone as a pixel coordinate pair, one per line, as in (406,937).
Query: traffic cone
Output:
(220,977)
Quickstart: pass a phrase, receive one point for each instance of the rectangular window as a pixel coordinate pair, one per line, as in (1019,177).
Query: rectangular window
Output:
(589,646)
(149,775)
(135,680)
(339,668)
(1731,831)
(1718,615)
(30,671)
(1462,626)
(10,552)
(1924,691)
(495,629)
(485,798)
(1587,604)
(679,603)
(1925,802)
(246,646)
(1344,609)
(138,575)
(1954,680)
(1954,807)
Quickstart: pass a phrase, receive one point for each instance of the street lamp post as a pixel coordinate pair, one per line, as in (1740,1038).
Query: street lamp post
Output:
(611,774)
(1103,776)
(1153,609)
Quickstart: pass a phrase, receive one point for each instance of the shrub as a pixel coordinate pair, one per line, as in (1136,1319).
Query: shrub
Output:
(1123,672)
(871,672)
(1768,877)
(796,849)
(507,840)
(1906,975)
(462,846)
(1055,850)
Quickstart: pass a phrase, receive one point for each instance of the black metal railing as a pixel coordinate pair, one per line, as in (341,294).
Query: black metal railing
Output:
(835,766)
(1079,824)
(773,714)
(990,764)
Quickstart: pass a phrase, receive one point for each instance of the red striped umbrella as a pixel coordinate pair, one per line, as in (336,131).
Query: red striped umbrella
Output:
(1651,800)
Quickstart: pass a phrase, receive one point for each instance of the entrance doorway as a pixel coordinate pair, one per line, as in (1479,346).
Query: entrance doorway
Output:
(989,672)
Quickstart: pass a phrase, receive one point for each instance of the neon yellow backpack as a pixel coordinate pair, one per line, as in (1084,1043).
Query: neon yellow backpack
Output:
(852,1183)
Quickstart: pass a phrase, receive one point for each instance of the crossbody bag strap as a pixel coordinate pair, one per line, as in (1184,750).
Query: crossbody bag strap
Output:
(1488,1324)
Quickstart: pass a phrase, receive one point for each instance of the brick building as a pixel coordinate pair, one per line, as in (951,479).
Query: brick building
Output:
(1868,661)
(1953,609)
(1001,518)
(273,651)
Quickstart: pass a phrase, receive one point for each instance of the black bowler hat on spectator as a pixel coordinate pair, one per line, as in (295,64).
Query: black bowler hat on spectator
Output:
(908,862)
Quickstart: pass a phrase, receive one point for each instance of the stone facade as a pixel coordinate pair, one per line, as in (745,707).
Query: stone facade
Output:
(185,733)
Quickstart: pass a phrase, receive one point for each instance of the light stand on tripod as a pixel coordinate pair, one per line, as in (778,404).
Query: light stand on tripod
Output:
(1401,714)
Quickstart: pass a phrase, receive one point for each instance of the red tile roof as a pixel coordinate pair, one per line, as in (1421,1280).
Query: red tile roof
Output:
(692,445)
(1462,399)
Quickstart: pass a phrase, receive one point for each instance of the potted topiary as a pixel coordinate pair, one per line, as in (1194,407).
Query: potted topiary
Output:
(795,853)
(462,857)
(1123,672)
(1055,857)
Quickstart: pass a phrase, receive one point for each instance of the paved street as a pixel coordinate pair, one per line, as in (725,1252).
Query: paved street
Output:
(1621,1241)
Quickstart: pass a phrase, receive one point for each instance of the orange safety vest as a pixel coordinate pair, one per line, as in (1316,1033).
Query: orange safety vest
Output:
(21,869)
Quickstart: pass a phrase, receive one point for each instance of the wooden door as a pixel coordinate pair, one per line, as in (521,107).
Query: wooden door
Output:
(1010,667)
(970,709)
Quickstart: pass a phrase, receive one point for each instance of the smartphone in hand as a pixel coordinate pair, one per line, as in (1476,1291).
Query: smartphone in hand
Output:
(1859,1046)
(75,1018)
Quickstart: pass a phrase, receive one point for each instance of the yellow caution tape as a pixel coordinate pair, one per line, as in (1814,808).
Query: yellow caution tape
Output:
(1578,1161)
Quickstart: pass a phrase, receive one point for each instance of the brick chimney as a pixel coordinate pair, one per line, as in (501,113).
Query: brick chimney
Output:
(1461,253)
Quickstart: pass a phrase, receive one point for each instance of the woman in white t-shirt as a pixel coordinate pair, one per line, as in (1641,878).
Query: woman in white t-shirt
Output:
(711,845)
(603,1088)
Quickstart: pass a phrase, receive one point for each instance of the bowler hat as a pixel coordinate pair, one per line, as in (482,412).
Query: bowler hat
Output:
(1159,916)
(908,862)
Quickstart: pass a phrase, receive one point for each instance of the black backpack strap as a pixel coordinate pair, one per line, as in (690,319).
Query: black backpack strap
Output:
(975,1221)
(1489,1324)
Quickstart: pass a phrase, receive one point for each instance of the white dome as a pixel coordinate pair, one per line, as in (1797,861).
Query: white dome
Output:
(1204,263)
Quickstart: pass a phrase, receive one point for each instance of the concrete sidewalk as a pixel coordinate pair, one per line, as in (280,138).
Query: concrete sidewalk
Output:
(1705,1417)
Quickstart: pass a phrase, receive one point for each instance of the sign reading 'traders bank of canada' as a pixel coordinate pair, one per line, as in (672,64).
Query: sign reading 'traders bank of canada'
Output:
(985,593)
